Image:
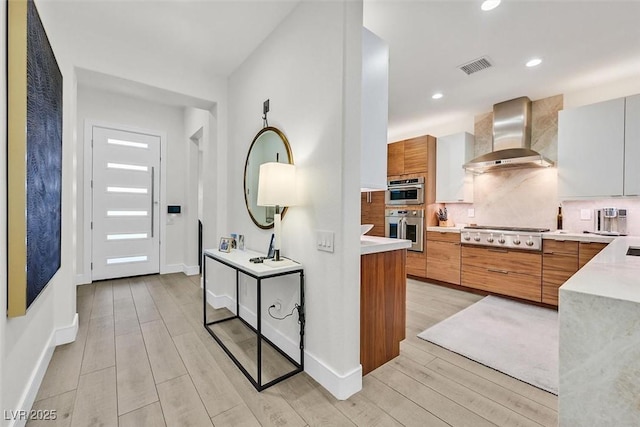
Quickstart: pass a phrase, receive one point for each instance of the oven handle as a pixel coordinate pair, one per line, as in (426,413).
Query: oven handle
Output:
(403,187)
(402,228)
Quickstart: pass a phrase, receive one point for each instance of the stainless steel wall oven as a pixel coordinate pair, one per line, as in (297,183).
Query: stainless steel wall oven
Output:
(406,224)
(405,192)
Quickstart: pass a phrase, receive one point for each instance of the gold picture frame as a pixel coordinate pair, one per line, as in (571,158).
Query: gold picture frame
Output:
(34,158)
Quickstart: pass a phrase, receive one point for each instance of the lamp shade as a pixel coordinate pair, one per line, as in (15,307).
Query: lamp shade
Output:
(276,184)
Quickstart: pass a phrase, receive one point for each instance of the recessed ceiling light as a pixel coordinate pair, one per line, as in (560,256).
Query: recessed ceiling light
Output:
(533,62)
(437,95)
(489,5)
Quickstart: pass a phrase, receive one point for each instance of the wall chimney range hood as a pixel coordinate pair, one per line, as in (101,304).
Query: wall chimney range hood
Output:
(511,140)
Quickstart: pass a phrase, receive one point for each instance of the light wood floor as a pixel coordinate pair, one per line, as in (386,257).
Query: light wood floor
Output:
(142,358)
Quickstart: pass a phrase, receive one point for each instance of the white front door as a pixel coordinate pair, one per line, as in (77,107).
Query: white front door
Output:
(125,208)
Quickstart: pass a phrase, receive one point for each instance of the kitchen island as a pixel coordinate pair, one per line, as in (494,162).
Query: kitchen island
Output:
(599,318)
(383,288)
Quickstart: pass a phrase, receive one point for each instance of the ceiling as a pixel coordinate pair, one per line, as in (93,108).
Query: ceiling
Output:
(582,44)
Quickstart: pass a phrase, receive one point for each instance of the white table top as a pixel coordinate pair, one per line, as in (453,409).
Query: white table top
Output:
(373,244)
(240,260)
(611,274)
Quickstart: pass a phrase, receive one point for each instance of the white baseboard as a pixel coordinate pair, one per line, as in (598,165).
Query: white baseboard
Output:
(68,333)
(190,270)
(172,268)
(83,279)
(341,386)
(59,336)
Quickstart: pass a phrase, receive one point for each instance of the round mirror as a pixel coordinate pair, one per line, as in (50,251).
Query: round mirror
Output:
(269,145)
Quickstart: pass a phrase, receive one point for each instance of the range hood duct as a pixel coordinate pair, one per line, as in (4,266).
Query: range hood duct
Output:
(511,140)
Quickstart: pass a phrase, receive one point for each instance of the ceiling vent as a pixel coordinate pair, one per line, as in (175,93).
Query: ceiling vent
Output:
(476,65)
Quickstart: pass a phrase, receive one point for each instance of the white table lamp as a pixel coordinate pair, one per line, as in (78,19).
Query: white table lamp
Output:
(276,187)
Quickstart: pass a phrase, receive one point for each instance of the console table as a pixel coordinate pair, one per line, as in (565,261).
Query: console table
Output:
(239,261)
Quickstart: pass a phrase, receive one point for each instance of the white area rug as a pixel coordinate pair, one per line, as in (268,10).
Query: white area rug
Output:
(517,339)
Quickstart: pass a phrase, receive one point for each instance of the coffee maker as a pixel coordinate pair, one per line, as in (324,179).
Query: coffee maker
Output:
(611,221)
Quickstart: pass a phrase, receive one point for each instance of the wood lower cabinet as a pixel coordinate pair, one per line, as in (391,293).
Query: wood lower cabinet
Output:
(559,263)
(588,250)
(508,272)
(443,256)
(416,264)
(382,307)
(372,212)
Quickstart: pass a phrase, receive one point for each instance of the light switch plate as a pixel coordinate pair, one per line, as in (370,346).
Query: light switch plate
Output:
(324,240)
(471,212)
(585,214)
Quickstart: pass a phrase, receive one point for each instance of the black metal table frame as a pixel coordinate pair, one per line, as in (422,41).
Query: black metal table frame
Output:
(299,367)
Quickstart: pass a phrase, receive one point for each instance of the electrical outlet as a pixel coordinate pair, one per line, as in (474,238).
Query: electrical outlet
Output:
(471,212)
(585,214)
(277,305)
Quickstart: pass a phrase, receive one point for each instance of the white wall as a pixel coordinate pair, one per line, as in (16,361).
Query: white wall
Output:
(310,69)
(112,108)
(27,343)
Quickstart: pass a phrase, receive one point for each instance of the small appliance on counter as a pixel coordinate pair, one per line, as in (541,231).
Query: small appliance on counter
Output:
(611,221)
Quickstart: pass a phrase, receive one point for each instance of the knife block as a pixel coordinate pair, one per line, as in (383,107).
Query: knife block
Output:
(447,223)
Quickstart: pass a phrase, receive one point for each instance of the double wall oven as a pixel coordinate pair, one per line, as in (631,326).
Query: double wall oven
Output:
(406,224)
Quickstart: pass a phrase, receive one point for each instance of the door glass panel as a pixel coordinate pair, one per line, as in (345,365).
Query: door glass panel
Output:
(127,190)
(127,143)
(412,233)
(127,259)
(393,231)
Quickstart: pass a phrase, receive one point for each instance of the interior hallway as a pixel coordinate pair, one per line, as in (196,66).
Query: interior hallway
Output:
(143,358)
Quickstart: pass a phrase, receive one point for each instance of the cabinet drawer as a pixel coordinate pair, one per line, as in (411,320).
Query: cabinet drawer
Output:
(562,246)
(503,259)
(443,261)
(443,236)
(513,284)
(416,264)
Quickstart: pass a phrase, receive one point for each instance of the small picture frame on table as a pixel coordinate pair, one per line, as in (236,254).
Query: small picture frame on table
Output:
(225,244)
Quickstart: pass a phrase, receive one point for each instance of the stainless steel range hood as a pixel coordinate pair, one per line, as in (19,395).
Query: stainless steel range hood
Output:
(511,140)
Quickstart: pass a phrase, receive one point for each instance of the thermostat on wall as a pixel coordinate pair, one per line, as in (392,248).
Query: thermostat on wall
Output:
(173,209)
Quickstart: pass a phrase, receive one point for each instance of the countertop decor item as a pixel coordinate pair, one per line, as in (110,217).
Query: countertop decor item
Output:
(443,218)
(276,187)
(365,228)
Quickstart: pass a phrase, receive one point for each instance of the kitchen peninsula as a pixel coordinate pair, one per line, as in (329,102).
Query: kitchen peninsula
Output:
(599,315)
(383,287)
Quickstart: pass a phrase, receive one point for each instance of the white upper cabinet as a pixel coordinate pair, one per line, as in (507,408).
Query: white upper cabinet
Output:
(591,145)
(453,184)
(375,109)
(632,146)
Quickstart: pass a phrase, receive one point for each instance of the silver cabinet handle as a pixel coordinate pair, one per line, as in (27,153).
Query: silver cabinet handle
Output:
(152,199)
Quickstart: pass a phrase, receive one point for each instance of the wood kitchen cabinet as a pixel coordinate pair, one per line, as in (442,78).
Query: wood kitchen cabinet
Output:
(559,263)
(588,250)
(443,256)
(411,156)
(372,211)
(502,271)
(382,307)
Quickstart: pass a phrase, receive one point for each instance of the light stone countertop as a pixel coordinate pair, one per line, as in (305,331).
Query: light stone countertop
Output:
(373,244)
(577,237)
(455,229)
(610,274)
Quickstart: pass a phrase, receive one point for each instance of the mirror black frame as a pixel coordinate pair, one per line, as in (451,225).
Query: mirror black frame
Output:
(284,140)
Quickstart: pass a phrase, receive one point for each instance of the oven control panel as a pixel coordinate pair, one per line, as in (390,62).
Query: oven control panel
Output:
(501,238)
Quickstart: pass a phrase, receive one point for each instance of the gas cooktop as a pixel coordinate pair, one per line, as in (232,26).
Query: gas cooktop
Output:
(503,228)
(499,236)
